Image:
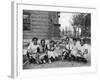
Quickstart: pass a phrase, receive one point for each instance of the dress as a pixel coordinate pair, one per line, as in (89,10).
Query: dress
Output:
(51,51)
(32,50)
(42,51)
(57,51)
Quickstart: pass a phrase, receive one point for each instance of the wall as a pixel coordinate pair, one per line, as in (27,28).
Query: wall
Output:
(41,24)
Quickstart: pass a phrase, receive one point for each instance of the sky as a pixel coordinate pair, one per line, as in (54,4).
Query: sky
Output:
(65,19)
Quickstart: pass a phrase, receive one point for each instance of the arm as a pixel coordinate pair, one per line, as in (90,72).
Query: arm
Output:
(29,48)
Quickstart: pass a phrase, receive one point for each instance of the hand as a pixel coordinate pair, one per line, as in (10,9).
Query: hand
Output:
(86,51)
(29,50)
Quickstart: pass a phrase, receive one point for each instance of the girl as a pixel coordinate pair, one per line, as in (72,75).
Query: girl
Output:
(80,51)
(50,53)
(42,52)
(85,51)
(32,51)
(57,51)
(66,50)
(73,54)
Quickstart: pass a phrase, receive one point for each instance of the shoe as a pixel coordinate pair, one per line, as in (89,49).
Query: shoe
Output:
(50,61)
(44,61)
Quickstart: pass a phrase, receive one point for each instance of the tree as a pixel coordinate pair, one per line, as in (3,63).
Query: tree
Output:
(82,20)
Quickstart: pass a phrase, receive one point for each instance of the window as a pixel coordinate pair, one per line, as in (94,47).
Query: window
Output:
(26,21)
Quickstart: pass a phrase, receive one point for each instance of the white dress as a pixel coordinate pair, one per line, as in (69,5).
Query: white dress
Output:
(74,49)
(85,51)
(57,51)
(50,52)
(32,49)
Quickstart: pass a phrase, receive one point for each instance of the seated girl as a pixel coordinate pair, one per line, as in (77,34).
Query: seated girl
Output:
(32,51)
(74,50)
(85,50)
(58,51)
(50,53)
(66,50)
(81,52)
(42,52)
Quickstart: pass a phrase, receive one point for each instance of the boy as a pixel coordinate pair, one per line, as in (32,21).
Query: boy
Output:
(32,51)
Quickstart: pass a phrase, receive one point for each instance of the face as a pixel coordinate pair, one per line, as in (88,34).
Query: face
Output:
(67,40)
(71,40)
(63,41)
(57,43)
(74,41)
(35,41)
(82,42)
(52,43)
(43,42)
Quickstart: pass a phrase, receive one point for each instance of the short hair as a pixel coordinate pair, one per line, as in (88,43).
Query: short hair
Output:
(51,41)
(67,38)
(78,39)
(42,40)
(82,40)
(35,38)
(63,40)
(57,42)
(74,39)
